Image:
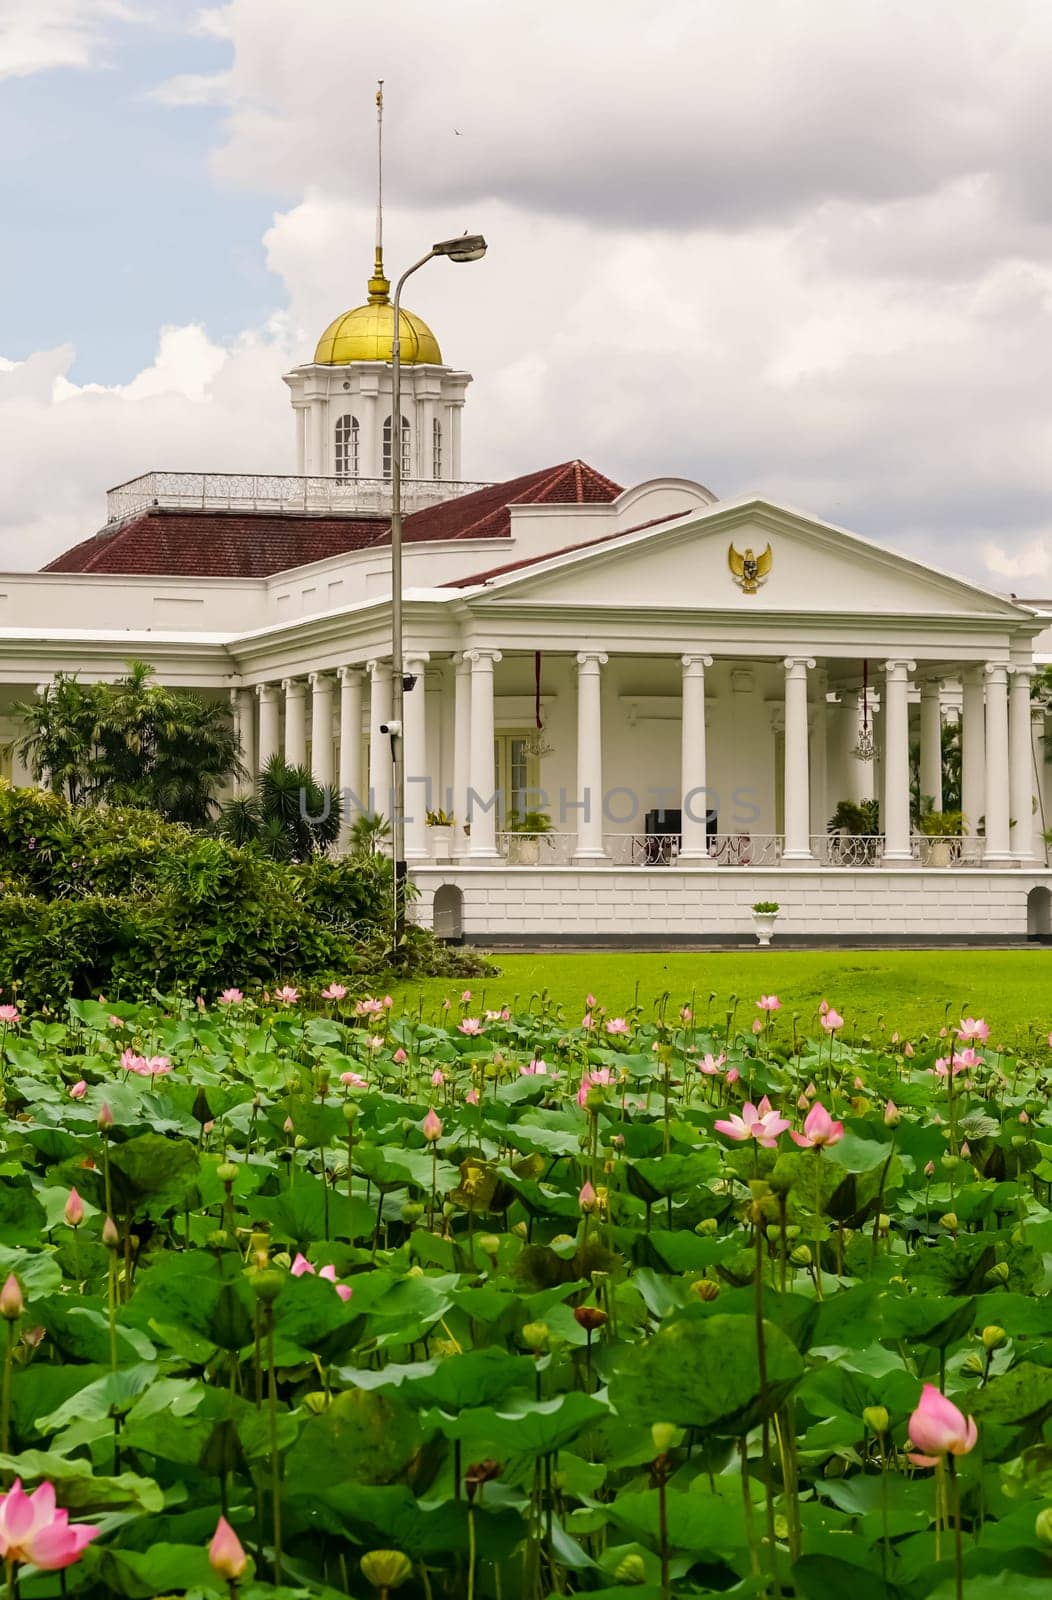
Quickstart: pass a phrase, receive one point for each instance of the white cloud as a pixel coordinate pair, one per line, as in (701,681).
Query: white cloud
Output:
(1030,560)
(38,35)
(193,89)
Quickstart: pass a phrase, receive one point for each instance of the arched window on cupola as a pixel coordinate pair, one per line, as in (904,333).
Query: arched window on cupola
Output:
(436,449)
(405,447)
(346,459)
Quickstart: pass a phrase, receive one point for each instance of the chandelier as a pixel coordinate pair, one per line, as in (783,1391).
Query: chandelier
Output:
(535,744)
(864,749)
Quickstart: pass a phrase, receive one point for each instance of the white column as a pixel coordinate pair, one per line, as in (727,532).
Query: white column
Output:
(301,440)
(818,721)
(896,816)
(319,451)
(973,749)
(481,812)
(295,721)
(694,795)
(1021,767)
(242,713)
(351,796)
(589,797)
(454,442)
(321,728)
(856,776)
(418,796)
(461,753)
(931,745)
(1041,794)
(998,843)
(269,723)
(797,800)
(381,774)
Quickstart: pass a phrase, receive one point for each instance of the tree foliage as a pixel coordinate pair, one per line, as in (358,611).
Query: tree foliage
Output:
(134,742)
(292,818)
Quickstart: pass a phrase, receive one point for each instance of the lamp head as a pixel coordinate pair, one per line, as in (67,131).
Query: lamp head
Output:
(469,247)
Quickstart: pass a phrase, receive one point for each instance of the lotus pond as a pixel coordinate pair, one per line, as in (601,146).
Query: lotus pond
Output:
(313,1296)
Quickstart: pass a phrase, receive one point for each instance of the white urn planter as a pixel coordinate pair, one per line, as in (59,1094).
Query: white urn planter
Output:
(441,843)
(939,853)
(764,922)
(524,850)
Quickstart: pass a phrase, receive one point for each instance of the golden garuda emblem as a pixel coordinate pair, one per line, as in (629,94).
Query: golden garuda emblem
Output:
(750,571)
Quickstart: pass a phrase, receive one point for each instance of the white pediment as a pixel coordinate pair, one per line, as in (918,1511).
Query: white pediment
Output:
(813,567)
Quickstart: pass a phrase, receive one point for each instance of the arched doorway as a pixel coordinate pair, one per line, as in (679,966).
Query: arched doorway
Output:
(1039,914)
(447,917)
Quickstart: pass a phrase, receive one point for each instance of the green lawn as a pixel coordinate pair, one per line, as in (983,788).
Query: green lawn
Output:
(909,989)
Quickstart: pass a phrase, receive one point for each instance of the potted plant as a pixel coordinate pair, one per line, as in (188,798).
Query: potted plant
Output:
(441,824)
(765,915)
(942,828)
(525,829)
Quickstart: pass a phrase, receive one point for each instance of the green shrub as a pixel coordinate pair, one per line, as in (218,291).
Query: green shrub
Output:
(118,901)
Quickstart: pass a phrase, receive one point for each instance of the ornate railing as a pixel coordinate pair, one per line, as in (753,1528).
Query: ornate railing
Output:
(847,849)
(947,851)
(275,492)
(537,849)
(642,849)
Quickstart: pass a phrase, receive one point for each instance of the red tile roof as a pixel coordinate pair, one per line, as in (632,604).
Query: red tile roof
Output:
(564,550)
(227,544)
(216,544)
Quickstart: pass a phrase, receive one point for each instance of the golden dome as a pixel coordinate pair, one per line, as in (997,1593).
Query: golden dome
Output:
(367,332)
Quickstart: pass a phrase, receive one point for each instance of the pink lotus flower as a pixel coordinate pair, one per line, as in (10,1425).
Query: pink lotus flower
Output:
(287,1125)
(937,1429)
(892,1115)
(105,1116)
(769,1002)
(33,1532)
(974,1028)
(287,994)
(685,1014)
(819,1129)
(472,1097)
(823,1007)
(756,1122)
(600,1078)
(73,1210)
(388,1001)
(231,997)
(712,1065)
(465,998)
(116,1022)
(907,1049)
(1023,1117)
(11,1302)
(757,1024)
(400,1058)
(78,1090)
(367,1007)
(335,991)
(832,1020)
(353,1080)
(225,1553)
(431,1127)
(301,1265)
(536,1068)
(617,1025)
(470,1026)
(587,1021)
(733,1075)
(437,1078)
(130,1062)
(929,1169)
(328,1272)
(10,1014)
(588,1200)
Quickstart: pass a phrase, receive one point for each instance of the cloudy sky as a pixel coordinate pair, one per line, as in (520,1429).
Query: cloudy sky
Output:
(798,246)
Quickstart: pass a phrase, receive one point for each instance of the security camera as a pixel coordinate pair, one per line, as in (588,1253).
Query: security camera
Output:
(408,682)
(393,728)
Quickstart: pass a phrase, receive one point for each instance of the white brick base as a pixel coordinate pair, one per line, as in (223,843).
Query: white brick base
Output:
(524,903)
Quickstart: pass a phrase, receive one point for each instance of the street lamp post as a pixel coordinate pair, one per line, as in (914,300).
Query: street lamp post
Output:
(470,247)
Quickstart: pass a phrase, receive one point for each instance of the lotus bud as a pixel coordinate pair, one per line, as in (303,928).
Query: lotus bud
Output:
(666,1436)
(412,1211)
(892,1115)
(590,1317)
(105,1117)
(350,1112)
(489,1243)
(386,1569)
(431,1127)
(110,1237)
(929,1169)
(226,1172)
(267,1285)
(11,1302)
(536,1336)
(286,1126)
(949,1221)
(300,1142)
(1043,1525)
(225,1554)
(706,1288)
(950,1162)
(706,1227)
(792,1231)
(588,1200)
(994,1338)
(999,1272)
(632,1570)
(801,1256)
(877,1420)
(73,1211)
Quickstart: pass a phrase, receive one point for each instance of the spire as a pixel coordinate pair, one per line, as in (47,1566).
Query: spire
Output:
(379,287)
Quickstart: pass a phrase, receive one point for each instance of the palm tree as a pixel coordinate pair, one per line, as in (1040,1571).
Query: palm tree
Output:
(291,819)
(61,744)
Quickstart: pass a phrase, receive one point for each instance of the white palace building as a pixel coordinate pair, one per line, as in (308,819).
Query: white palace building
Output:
(683,688)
